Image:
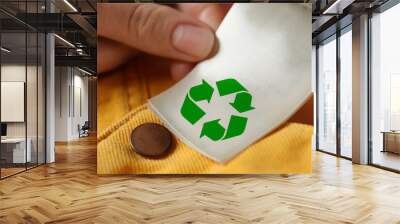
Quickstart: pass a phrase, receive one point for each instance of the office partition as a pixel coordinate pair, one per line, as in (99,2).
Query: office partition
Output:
(23,88)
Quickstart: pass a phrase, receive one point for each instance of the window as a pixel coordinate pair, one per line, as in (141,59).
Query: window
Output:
(385,89)
(346,93)
(394,102)
(327,96)
(334,106)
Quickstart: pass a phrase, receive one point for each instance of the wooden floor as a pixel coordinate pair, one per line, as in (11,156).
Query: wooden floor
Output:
(10,171)
(387,159)
(69,191)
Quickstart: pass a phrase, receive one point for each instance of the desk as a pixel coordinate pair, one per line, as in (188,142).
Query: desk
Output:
(13,150)
(391,141)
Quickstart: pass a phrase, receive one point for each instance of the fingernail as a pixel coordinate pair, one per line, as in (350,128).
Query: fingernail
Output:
(192,40)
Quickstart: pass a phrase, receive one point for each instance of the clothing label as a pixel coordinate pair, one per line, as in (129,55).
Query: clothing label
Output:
(260,76)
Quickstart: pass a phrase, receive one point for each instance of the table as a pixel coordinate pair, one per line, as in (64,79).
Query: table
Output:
(13,150)
(391,141)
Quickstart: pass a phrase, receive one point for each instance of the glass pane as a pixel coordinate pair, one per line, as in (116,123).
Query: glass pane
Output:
(14,153)
(327,97)
(31,97)
(41,98)
(31,87)
(346,94)
(386,89)
(23,90)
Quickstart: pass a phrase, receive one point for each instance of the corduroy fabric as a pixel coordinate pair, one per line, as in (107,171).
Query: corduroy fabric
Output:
(287,150)
(122,96)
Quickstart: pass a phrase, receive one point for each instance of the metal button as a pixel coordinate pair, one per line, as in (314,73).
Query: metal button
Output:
(151,139)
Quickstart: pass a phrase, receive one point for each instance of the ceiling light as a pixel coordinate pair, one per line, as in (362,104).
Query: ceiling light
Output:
(326,11)
(338,6)
(5,50)
(80,51)
(84,71)
(65,41)
(70,5)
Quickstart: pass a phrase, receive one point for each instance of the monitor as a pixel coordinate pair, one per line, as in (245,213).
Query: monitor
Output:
(3,129)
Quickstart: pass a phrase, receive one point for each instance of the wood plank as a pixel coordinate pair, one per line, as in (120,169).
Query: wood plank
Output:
(69,191)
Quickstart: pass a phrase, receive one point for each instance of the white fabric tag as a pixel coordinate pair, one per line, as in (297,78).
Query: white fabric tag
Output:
(260,76)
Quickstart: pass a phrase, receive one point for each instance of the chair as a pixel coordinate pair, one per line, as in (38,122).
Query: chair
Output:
(84,130)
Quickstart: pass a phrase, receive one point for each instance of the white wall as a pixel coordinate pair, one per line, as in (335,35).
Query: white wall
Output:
(80,84)
(71,87)
(12,73)
(61,103)
(33,127)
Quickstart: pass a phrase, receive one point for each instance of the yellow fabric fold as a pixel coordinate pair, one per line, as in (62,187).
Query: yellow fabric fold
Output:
(287,150)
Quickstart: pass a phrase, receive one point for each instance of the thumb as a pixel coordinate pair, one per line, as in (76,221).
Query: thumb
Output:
(156,29)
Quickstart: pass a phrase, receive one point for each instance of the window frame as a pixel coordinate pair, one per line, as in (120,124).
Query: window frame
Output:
(336,36)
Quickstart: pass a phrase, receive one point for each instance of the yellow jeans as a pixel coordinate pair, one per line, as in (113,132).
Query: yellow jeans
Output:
(122,106)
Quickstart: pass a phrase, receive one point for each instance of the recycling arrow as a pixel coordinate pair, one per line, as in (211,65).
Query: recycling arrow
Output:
(190,110)
(213,129)
(242,102)
(201,92)
(236,126)
(229,86)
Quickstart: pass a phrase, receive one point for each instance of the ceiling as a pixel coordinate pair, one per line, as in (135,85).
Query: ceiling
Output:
(332,15)
(72,20)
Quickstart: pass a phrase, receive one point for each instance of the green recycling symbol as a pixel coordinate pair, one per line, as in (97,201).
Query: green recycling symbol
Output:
(213,129)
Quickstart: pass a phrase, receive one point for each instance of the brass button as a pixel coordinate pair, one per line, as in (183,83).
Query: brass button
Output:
(151,139)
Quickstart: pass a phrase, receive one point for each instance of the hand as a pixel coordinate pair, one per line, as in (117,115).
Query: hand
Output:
(184,34)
